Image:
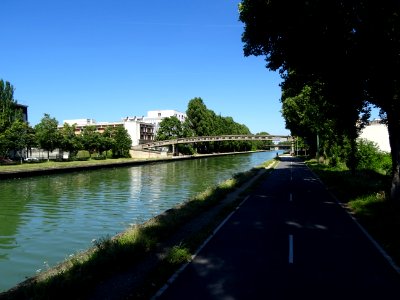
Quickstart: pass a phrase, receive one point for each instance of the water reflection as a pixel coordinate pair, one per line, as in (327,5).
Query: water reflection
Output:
(45,219)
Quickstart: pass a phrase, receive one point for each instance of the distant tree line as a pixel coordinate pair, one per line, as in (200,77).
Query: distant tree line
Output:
(336,59)
(202,121)
(16,136)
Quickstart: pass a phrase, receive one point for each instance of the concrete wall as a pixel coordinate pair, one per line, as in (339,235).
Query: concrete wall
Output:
(147,154)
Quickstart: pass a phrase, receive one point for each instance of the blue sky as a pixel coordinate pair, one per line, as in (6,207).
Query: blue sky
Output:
(108,59)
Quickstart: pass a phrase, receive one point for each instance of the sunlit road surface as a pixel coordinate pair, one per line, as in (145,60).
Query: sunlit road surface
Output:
(289,239)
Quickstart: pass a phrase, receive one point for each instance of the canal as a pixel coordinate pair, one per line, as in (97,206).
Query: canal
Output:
(44,220)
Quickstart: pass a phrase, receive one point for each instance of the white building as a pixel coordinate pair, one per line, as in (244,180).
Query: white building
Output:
(140,129)
(156,116)
(378,133)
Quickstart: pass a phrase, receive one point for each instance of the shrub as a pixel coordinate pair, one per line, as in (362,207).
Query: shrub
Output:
(385,163)
(370,157)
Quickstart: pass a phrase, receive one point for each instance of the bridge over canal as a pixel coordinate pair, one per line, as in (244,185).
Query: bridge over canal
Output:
(146,145)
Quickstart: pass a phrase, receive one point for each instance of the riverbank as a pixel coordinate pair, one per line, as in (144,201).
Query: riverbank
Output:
(54,167)
(164,249)
(144,255)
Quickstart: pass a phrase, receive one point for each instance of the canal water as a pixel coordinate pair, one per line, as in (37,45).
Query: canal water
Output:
(44,220)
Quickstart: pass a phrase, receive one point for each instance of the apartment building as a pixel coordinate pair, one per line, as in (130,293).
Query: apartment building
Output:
(156,116)
(140,129)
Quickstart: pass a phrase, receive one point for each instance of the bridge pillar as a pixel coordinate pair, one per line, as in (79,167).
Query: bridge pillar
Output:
(174,150)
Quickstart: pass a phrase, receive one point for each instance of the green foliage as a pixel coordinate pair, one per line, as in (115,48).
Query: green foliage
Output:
(199,118)
(170,128)
(47,134)
(118,140)
(370,157)
(69,140)
(90,139)
(349,47)
(82,155)
(4,145)
(178,255)
(262,145)
(202,121)
(8,111)
(17,135)
(367,157)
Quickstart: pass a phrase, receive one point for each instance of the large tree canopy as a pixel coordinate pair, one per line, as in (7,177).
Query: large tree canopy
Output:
(352,47)
(170,128)
(202,121)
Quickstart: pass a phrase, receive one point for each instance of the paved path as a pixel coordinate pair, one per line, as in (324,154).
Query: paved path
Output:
(288,240)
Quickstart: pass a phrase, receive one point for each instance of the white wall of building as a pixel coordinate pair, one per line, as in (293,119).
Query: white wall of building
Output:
(161,114)
(378,133)
(156,116)
(80,122)
(133,129)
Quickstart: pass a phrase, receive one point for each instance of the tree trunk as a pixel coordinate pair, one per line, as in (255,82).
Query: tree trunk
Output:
(394,139)
(353,156)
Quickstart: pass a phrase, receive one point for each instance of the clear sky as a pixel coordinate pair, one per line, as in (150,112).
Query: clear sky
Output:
(108,59)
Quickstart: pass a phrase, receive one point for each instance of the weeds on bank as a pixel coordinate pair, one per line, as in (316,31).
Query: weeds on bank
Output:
(365,195)
(113,254)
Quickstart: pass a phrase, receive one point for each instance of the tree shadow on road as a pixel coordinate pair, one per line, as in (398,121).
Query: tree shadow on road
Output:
(367,198)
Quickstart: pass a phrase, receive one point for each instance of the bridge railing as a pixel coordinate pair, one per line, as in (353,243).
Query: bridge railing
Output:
(197,139)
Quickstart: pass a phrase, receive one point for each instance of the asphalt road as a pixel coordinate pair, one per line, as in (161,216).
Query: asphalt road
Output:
(289,240)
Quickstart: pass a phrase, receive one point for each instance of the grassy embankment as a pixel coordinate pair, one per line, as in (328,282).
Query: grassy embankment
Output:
(74,277)
(43,165)
(365,195)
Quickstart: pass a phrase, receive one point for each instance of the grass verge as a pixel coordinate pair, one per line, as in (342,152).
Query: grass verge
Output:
(365,195)
(48,165)
(112,255)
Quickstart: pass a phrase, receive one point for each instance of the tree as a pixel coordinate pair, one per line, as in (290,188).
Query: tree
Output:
(69,140)
(8,111)
(105,144)
(120,141)
(18,137)
(173,128)
(47,134)
(170,128)
(202,121)
(199,118)
(350,46)
(263,145)
(306,113)
(4,145)
(379,38)
(90,139)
